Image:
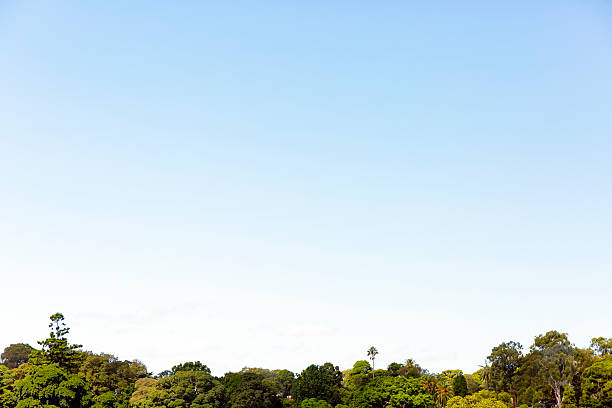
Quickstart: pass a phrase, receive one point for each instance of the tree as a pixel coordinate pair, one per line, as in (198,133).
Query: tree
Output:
(597,385)
(482,399)
(601,346)
(319,382)
(51,386)
(411,369)
(111,380)
(569,397)
(372,352)
(393,369)
(190,366)
(505,362)
(314,403)
(50,379)
(486,374)
(358,376)
(184,389)
(143,388)
(474,383)
(56,349)
(250,390)
(7,380)
(460,386)
(555,354)
(442,396)
(283,382)
(15,355)
(391,392)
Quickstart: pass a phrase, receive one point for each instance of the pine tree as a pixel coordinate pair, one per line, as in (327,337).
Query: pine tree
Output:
(460,385)
(56,349)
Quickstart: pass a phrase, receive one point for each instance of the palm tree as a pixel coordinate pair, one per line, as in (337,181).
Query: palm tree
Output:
(486,374)
(372,352)
(443,394)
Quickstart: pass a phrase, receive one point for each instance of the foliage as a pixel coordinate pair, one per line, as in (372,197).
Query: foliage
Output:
(249,390)
(143,387)
(314,403)
(56,349)
(320,382)
(505,362)
(556,362)
(111,380)
(359,375)
(398,392)
(569,397)
(190,366)
(601,346)
(409,369)
(52,386)
(16,355)
(460,386)
(597,385)
(7,397)
(474,383)
(481,399)
(282,382)
(553,373)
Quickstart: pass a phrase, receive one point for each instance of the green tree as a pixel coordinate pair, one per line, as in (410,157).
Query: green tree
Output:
(314,403)
(111,380)
(505,362)
(393,392)
(50,379)
(358,376)
(7,381)
(597,385)
(50,386)
(569,397)
(190,366)
(15,355)
(557,368)
(528,396)
(460,386)
(56,349)
(474,383)
(481,399)
(283,382)
(144,388)
(601,346)
(393,369)
(411,369)
(250,390)
(485,372)
(372,352)
(184,389)
(319,382)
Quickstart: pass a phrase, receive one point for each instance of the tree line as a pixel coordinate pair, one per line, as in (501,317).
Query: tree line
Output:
(552,372)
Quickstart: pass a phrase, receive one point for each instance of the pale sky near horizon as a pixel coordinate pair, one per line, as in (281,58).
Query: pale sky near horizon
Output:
(276,184)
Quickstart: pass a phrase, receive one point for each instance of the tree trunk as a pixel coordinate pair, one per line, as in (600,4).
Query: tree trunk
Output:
(557,393)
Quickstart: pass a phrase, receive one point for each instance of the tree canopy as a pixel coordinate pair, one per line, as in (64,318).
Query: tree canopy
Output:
(553,372)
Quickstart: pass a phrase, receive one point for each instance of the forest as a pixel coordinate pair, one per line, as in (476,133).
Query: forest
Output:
(552,372)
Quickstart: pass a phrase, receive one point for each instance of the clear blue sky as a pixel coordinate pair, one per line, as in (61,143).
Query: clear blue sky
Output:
(284,183)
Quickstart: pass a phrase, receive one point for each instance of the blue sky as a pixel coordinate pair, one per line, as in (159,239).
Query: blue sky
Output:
(280,183)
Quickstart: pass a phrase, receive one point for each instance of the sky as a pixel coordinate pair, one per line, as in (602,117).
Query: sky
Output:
(277,184)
